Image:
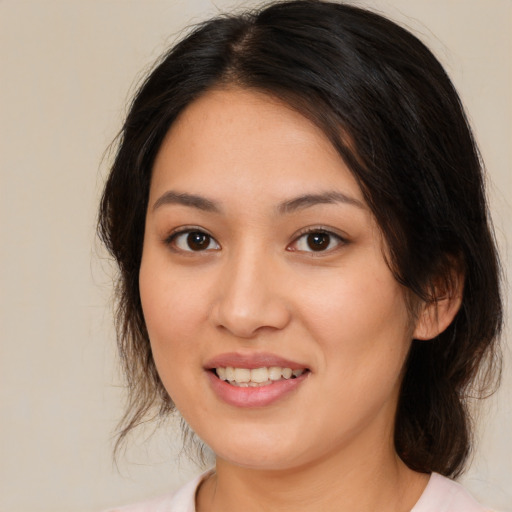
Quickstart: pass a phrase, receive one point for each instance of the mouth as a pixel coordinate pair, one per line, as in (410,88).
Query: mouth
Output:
(255,380)
(256,377)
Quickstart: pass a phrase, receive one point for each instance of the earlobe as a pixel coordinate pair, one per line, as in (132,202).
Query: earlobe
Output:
(437,314)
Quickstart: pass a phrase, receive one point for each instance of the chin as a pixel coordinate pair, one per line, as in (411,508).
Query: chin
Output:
(259,452)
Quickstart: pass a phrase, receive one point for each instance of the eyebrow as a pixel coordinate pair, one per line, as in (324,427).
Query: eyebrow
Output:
(286,207)
(308,200)
(192,200)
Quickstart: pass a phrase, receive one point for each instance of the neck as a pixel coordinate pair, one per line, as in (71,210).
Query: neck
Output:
(380,481)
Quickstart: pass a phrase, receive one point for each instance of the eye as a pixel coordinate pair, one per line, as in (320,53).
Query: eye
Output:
(317,241)
(193,241)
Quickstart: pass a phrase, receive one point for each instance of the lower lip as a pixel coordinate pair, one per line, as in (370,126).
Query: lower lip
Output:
(254,396)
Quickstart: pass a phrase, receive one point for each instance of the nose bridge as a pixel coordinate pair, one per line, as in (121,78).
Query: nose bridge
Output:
(249,295)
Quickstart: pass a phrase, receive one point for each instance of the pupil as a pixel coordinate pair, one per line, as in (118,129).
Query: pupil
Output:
(318,241)
(198,241)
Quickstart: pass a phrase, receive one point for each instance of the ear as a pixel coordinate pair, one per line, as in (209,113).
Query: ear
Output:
(438,313)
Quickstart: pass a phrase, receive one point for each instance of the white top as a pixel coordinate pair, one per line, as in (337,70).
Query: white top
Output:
(440,495)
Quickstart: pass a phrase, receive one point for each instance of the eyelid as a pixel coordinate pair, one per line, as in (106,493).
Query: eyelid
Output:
(342,239)
(185,230)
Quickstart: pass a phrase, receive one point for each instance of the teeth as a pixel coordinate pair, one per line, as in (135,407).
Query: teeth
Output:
(287,373)
(274,373)
(244,377)
(259,375)
(230,374)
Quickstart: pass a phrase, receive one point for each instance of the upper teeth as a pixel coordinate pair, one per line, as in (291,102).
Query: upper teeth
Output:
(256,376)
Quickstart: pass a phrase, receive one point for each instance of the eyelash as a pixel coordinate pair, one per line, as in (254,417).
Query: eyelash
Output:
(338,240)
(171,240)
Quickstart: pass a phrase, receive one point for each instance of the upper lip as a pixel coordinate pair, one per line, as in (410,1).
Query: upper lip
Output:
(251,361)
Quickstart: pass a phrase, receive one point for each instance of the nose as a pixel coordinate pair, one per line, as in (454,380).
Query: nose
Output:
(250,297)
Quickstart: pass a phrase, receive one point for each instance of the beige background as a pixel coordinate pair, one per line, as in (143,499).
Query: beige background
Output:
(67,69)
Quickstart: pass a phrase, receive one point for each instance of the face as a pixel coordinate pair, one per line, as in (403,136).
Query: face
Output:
(275,323)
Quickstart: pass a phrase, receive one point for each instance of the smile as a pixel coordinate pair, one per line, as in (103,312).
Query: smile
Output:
(256,377)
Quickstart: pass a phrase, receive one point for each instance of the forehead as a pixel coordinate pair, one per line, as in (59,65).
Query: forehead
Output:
(247,140)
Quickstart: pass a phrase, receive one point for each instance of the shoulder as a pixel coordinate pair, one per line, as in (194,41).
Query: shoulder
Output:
(183,500)
(445,495)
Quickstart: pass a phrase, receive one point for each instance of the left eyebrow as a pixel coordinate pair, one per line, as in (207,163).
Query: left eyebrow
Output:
(308,200)
(191,200)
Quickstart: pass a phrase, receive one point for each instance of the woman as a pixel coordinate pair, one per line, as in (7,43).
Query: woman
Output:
(307,269)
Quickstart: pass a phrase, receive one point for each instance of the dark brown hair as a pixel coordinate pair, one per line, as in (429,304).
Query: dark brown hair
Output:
(393,115)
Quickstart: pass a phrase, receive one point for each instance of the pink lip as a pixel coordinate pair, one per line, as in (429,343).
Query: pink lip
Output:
(257,396)
(253,396)
(251,361)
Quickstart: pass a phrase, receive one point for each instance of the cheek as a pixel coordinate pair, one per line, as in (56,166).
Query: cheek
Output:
(172,303)
(354,303)
(363,330)
(361,321)
(171,320)
(171,310)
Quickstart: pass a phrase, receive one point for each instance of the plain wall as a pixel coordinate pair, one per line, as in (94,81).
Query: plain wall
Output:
(67,69)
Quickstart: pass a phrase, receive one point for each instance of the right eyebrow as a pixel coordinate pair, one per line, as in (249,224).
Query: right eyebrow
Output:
(192,200)
(308,200)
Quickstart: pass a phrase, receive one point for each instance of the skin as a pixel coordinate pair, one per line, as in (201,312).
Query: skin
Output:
(258,287)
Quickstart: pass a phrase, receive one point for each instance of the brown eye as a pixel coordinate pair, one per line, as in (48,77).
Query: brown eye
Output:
(194,241)
(198,241)
(318,241)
